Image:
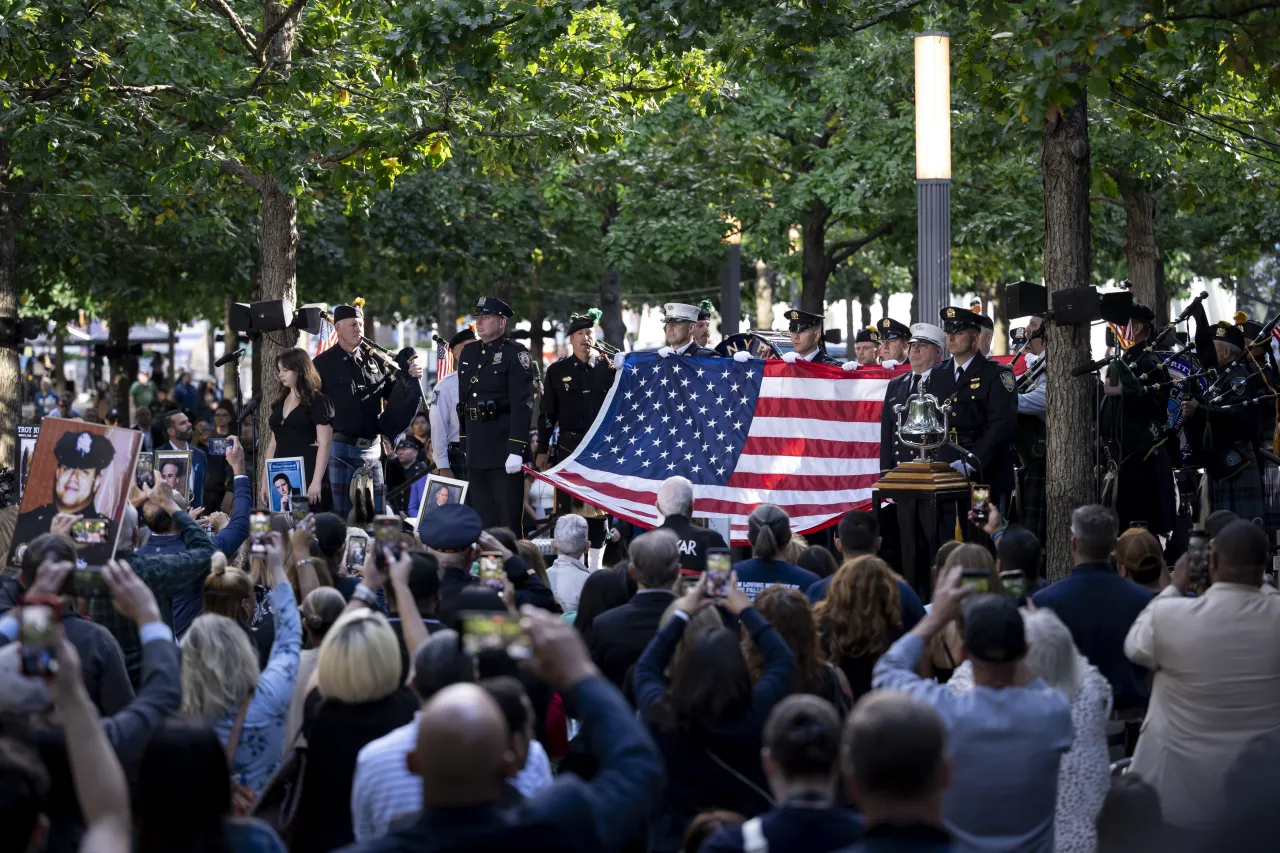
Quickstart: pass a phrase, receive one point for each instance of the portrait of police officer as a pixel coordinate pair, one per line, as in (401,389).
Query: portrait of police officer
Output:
(806,338)
(495,406)
(894,337)
(83,459)
(984,405)
(678,320)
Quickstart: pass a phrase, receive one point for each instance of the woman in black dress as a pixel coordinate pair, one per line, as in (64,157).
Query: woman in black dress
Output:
(301,425)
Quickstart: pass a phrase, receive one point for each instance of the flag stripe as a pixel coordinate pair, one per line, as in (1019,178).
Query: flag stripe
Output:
(824,410)
(760,445)
(865,431)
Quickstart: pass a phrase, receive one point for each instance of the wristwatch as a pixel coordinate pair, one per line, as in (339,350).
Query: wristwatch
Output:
(366,595)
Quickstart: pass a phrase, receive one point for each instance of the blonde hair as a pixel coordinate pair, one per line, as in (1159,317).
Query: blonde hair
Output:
(971,556)
(225,590)
(219,667)
(359,658)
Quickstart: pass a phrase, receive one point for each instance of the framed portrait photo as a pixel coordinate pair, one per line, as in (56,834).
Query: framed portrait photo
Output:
(284,483)
(173,467)
(26,450)
(440,491)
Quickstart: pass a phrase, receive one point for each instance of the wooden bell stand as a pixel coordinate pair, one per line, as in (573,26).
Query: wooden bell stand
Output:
(929,497)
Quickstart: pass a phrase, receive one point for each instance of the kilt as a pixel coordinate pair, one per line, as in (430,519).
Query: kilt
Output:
(1030,499)
(344,461)
(1242,493)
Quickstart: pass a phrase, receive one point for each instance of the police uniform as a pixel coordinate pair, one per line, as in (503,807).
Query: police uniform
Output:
(890,329)
(446,427)
(892,450)
(81,450)
(357,384)
(495,387)
(800,321)
(1267,382)
(1132,425)
(1030,442)
(678,312)
(574,394)
(984,409)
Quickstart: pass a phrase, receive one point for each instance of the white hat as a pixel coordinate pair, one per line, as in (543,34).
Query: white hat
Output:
(680,312)
(927,333)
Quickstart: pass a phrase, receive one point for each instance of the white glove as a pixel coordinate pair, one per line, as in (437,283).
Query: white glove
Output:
(513,464)
(618,359)
(963,467)
(888,363)
(666,352)
(789,357)
(849,365)
(742,355)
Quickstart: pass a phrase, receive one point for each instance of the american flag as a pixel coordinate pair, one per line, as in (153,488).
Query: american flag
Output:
(803,436)
(328,336)
(1124,335)
(444,359)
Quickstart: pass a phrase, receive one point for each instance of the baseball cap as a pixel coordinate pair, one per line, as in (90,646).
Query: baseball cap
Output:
(992,629)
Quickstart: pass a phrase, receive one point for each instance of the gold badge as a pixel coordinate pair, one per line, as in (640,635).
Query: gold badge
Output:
(951,313)
(975,384)
(1222,331)
(566,379)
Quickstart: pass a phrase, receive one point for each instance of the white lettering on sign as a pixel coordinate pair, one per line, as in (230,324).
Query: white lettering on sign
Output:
(688,546)
(754,588)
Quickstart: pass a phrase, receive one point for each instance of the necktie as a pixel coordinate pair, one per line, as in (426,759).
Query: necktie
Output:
(915,383)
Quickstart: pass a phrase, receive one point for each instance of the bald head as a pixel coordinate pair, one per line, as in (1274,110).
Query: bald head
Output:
(1239,554)
(463,753)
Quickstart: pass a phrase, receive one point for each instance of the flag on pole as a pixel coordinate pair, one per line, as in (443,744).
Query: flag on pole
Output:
(1124,335)
(444,360)
(803,436)
(328,336)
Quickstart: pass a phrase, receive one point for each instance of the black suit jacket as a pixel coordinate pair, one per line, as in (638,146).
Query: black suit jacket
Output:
(984,413)
(696,351)
(893,451)
(619,636)
(694,542)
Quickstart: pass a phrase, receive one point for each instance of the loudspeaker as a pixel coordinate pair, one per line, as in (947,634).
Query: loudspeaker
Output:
(1023,298)
(1076,306)
(832,336)
(240,317)
(270,315)
(1116,307)
(308,319)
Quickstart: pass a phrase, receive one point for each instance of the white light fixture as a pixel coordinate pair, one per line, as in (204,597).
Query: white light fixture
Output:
(933,107)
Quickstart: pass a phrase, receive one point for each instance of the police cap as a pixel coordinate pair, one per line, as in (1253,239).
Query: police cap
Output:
(704,309)
(892,330)
(958,319)
(84,450)
(467,334)
(985,322)
(1228,333)
(578,322)
(1142,313)
(452,527)
(493,305)
(801,320)
(347,312)
(869,335)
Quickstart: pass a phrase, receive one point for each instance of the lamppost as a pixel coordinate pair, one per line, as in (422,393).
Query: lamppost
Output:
(731,282)
(933,173)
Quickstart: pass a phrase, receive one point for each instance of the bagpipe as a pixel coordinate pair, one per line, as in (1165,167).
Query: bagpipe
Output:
(405,396)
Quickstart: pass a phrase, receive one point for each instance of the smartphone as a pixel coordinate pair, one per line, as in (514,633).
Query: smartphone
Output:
(386,531)
(144,473)
(301,509)
(206,524)
(89,531)
(979,580)
(38,620)
(1013,584)
(1198,559)
(492,571)
(718,568)
(687,584)
(88,582)
(259,527)
(487,631)
(980,497)
(356,549)
(218,446)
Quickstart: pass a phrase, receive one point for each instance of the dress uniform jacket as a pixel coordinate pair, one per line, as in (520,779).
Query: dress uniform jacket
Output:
(693,350)
(574,393)
(350,380)
(820,357)
(984,410)
(1132,424)
(892,450)
(499,372)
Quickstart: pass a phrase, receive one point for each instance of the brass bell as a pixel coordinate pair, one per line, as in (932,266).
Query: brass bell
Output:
(925,425)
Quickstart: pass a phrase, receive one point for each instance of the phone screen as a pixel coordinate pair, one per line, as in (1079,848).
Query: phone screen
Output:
(89,531)
(38,635)
(492,571)
(981,497)
(1013,583)
(356,547)
(259,527)
(87,582)
(718,568)
(386,530)
(979,580)
(218,446)
(1198,559)
(301,509)
(484,631)
(144,472)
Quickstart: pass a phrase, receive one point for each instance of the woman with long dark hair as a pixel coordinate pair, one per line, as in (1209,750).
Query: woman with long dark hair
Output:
(788,612)
(302,425)
(859,619)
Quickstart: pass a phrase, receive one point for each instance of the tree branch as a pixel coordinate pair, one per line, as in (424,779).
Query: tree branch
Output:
(1106,200)
(21,196)
(332,160)
(220,7)
(838,253)
(234,167)
(885,15)
(289,14)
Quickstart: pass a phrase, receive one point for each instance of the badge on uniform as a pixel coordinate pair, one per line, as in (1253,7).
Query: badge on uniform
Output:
(524,361)
(566,379)
(497,357)
(1233,459)
(1238,384)
(1007,380)
(975,384)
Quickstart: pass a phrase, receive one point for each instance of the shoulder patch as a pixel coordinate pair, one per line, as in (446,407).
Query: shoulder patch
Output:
(1007,380)
(523,358)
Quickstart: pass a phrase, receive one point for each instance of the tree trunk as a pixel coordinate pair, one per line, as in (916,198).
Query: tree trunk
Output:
(537,316)
(1146,266)
(10,367)
(884,298)
(1000,341)
(211,345)
(848,318)
(277,270)
(1064,163)
(173,352)
(866,289)
(60,361)
(915,303)
(611,323)
(230,343)
(814,271)
(764,297)
(118,360)
(447,309)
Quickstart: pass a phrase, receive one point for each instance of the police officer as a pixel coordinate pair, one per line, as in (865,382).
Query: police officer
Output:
(866,349)
(446,428)
(987,332)
(495,387)
(806,338)
(83,459)
(576,387)
(925,348)
(894,338)
(1224,432)
(984,407)
(677,324)
(702,328)
(1132,420)
(1030,438)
